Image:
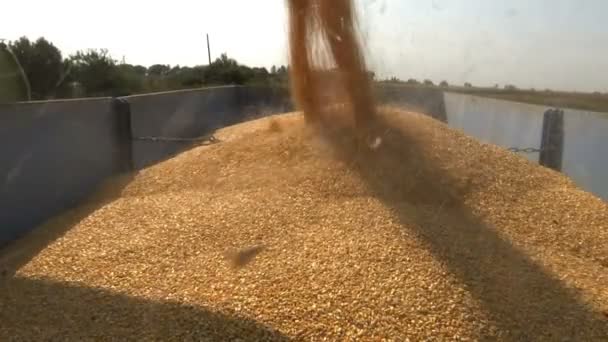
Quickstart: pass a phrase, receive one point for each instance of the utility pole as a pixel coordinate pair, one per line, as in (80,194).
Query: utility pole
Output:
(208,49)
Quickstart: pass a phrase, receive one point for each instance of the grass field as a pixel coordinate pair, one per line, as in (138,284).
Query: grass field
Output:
(597,102)
(586,101)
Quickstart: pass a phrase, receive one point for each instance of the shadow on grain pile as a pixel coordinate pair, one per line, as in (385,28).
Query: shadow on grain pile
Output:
(20,252)
(522,298)
(35,308)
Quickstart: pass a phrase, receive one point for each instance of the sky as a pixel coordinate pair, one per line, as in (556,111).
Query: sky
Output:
(556,44)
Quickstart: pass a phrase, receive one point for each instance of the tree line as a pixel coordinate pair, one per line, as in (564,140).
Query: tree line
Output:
(37,70)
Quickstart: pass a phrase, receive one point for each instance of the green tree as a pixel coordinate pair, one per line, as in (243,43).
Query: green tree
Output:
(159,70)
(256,76)
(186,77)
(140,70)
(225,70)
(444,84)
(131,78)
(194,77)
(13,82)
(42,63)
(98,73)
(428,83)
